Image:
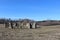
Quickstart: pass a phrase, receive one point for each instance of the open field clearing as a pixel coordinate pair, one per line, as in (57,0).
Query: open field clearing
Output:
(43,33)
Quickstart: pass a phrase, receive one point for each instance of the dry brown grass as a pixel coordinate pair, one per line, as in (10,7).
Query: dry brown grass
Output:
(43,33)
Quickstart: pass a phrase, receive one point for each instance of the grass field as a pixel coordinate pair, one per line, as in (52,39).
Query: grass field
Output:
(43,33)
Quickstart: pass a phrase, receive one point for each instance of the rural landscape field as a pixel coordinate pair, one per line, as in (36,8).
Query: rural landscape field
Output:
(29,19)
(43,33)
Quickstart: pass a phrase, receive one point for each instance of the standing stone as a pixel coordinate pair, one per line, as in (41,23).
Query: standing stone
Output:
(9,25)
(18,24)
(28,25)
(33,25)
(14,25)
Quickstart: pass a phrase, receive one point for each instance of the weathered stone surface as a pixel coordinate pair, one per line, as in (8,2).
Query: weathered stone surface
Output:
(20,25)
(33,25)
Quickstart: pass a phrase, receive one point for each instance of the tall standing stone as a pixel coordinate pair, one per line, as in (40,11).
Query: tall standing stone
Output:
(28,25)
(33,25)
(9,25)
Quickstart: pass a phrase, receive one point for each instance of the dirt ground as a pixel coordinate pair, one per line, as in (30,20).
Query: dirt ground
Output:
(43,33)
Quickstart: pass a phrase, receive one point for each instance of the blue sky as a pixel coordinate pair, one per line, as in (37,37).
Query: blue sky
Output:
(31,9)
